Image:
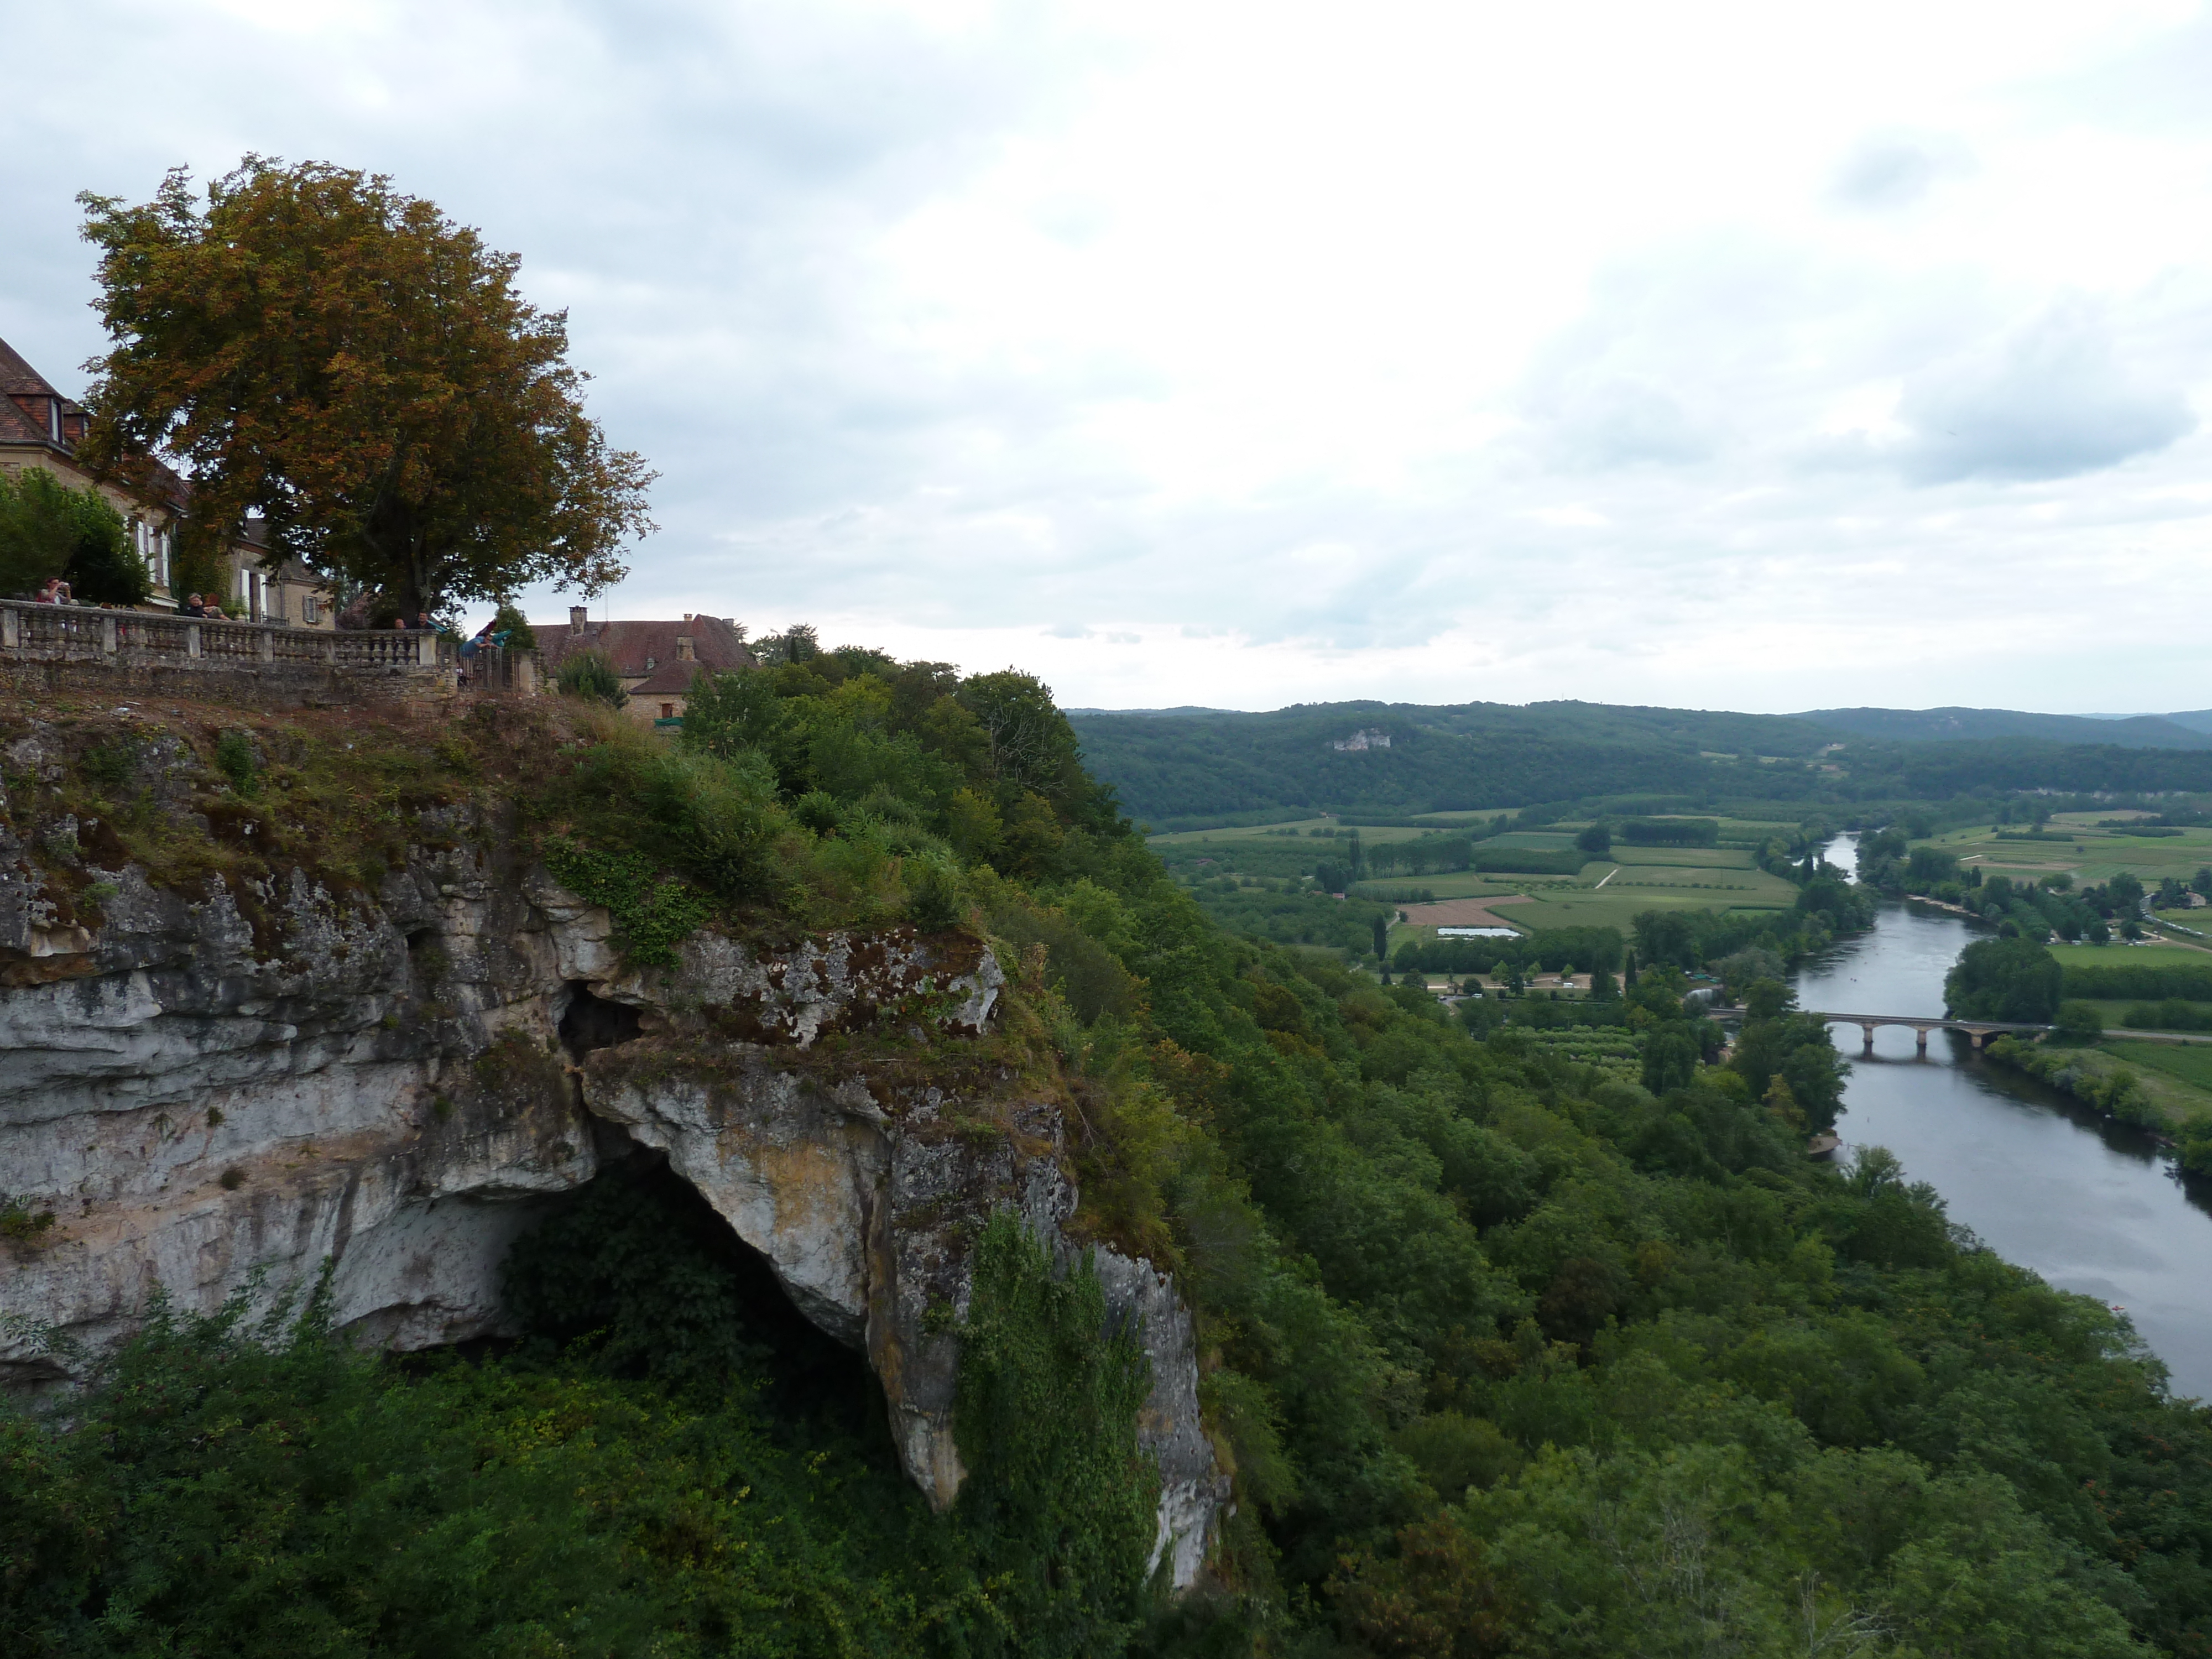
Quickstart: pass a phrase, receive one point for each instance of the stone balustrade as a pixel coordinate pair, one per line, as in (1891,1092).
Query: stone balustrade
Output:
(72,643)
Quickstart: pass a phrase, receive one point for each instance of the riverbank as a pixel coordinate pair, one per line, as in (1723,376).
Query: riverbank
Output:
(2090,1203)
(2169,1074)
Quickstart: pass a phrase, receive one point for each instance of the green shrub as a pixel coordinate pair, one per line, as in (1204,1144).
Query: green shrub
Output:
(727,713)
(2172,1015)
(935,900)
(510,622)
(2113,1089)
(652,913)
(256,1488)
(2079,1021)
(640,1276)
(1058,1497)
(21,1222)
(108,766)
(235,759)
(48,529)
(588,674)
(2193,1145)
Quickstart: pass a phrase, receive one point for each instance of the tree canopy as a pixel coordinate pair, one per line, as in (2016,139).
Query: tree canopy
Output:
(48,529)
(2013,979)
(350,364)
(1554,1349)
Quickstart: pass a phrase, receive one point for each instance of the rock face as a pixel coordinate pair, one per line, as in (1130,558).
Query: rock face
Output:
(201,1090)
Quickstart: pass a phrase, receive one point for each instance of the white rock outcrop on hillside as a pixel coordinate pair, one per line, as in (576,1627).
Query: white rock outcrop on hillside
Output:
(402,1086)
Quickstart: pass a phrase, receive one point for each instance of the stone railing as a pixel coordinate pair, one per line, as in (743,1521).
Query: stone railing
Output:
(64,631)
(69,642)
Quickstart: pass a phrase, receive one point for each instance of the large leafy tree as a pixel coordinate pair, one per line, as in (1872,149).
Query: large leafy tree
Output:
(351,364)
(47,529)
(2012,979)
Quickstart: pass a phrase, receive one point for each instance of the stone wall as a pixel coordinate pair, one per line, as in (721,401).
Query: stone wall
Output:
(48,649)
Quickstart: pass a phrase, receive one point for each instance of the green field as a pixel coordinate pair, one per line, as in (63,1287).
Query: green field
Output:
(1272,834)
(2129,956)
(1469,884)
(2188,1064)
(1635,879)
(2115,1011)
(1583,906)
(1701,857)
(1645,878)
(2088,854)
(1743,890)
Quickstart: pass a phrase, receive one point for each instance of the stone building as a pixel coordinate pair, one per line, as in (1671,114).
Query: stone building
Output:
(41,427)
(654,660)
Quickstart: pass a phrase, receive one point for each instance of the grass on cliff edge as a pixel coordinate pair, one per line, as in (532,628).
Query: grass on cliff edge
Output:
(194,791)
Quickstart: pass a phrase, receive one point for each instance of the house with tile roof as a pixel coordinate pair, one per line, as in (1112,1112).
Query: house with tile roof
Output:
(39,426)
(654,660)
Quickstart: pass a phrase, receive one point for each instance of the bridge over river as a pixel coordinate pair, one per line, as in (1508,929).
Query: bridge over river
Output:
(1978,1031)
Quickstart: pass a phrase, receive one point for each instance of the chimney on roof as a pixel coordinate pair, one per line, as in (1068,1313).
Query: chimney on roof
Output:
(578,617)
(683,651)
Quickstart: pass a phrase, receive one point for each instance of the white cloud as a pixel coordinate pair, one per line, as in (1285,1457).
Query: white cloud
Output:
(1240,355)
(2052,400)
(1891,170)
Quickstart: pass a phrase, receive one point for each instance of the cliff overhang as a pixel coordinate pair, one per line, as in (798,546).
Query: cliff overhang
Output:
(239,1078)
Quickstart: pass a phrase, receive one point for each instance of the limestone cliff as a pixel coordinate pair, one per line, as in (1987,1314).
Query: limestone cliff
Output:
(254,1074)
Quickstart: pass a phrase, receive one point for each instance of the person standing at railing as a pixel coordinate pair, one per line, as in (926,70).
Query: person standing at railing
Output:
(193,607)
(56,592)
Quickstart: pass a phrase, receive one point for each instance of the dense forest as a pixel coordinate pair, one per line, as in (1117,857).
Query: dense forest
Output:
(2184,731)
(1169,767)
(1508,1353)
(1180,769)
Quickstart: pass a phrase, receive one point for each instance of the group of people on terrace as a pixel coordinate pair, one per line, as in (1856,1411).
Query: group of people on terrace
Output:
(55,591)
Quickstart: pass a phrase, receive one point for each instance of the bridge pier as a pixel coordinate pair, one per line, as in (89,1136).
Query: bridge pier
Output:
(1868,1031)
(1920,1041)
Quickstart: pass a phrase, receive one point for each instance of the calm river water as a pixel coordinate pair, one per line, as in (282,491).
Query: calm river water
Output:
(2089,1206)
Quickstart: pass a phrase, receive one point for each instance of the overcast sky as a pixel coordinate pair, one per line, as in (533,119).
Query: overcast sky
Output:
(1754,357)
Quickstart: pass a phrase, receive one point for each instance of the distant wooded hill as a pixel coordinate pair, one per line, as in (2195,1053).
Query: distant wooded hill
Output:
(2191,730)
(1174,766)
(1169,764)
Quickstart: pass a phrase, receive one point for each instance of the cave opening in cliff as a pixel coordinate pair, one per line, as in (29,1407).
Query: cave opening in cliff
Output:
(591,1021)
(639,1274)
(427,962)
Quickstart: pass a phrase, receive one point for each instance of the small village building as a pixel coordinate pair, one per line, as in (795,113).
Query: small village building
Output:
(654,660)
(40,427)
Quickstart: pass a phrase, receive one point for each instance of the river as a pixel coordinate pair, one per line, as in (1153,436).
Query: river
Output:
(2088,1205)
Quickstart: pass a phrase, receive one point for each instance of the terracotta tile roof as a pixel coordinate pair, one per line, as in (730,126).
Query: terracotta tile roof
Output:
(25,419)
(17,428)
(636,648)
(671,679)
(17,376)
